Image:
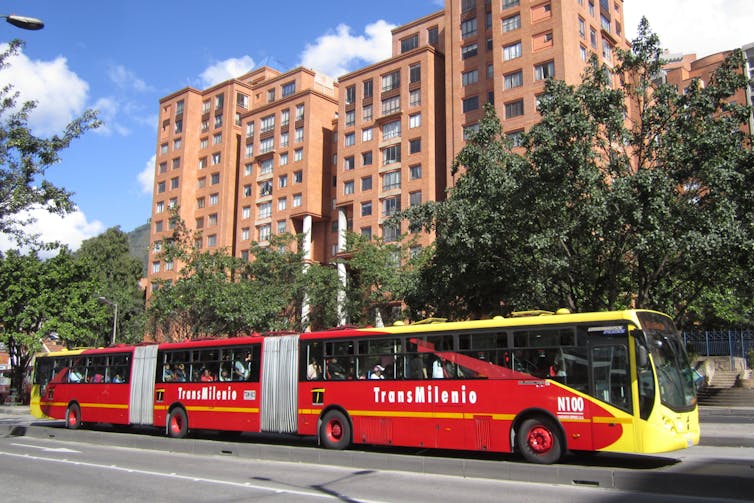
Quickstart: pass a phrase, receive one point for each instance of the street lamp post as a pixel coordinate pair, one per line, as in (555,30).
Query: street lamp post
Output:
(114,305)
(24,22)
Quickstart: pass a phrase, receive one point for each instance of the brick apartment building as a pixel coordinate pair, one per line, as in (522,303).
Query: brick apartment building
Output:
(273,152)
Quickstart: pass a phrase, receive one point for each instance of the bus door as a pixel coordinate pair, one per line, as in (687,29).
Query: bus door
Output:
(143,371)
(279,402)
(613,425)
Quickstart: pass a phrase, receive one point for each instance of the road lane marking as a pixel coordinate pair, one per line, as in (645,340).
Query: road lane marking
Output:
(245,485)
(47,449)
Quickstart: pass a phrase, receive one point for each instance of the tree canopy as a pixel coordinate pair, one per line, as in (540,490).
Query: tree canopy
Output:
(628,192)
(25,159)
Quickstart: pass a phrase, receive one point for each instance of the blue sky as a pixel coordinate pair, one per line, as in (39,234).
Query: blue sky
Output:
(122,57)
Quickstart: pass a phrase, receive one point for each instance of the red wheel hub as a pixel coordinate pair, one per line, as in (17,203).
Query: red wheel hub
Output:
(335,430)
(540,439)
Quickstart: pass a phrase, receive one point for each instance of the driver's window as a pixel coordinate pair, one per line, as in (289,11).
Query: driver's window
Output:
(612,382)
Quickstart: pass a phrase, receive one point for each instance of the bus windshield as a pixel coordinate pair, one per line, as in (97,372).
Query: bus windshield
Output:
(674,374)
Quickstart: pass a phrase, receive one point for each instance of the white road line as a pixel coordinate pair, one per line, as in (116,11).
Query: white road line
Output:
(245,485)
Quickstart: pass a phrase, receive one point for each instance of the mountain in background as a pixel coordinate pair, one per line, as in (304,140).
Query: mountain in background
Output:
(138,245)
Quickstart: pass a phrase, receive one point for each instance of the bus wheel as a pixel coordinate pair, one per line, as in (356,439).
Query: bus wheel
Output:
(335,430)
(177,423)
(537,439)
(73,417)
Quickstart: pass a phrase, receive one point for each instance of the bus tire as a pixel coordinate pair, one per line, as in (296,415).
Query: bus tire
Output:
(177,425)
(335,431)
(538,440)
(73,417)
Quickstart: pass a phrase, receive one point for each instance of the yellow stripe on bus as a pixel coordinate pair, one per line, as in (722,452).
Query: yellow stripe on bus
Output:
(420,415)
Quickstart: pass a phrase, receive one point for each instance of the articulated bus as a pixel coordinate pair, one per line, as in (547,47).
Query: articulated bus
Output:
(537,385)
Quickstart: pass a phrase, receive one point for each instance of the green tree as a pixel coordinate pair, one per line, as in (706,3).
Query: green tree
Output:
(221,295)
(637,194)
(379,277)
(116,273)
(25,159)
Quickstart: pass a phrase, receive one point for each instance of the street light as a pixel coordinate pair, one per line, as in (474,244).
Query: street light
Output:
(114,305)
(24,22)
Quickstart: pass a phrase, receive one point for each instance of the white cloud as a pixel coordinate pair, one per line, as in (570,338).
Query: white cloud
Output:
(70,229)
(226,69)
(339,52)
(126,79)
(146,176)
(60,94)
(694,27)
(107,111)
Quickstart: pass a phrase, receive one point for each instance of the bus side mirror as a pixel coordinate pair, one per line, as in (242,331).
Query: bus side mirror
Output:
(642,357)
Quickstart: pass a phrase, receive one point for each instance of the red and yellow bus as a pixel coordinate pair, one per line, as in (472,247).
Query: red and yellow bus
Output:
(538,385)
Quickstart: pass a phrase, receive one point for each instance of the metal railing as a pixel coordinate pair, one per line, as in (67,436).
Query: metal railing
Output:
(720,342)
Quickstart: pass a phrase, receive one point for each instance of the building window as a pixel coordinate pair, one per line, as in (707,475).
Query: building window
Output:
(391,180)
(507,4)
(414,120)
(200,202)
(264,232)
(282,203)
(283,181)
(366,232)
(366,158)
(174,183)
(214,199)
(245,234)
(391,81)
(415,146)
(515,79)
(281,227)
(467,5)
(296,200)
(366,208)
(298,176)
(264,210)
(514,109)
(298,154)
(470,77)
(468,28)
(348,187)
(366,183)
(350,94)
(415,172)
(391,105)
(242,100)
(266,145)
(250,129)
(350,117)
(283,159)
(583,53)
(512,23)
(299,135)
(368,88)
(348,163)
(218,120)
(433,35)
(299,112)
(516,137)
(265,166)
(366,134)
(390,233)
(247,190)
(391,155)
(391,130)
(391,206)
(159,207)
(288,89)
(349,139)
(415,198)
(415,73)
(265,188)
(212,220)
(512,51)
(284,139)
(155,267)
(582,27)
(470,104)
(268,123)
(469,51)
(246,212)
(211,240)
(270,95)
(410,43)
(415,98)
(285,117)
(544,71)
(366,113)
(203,143)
